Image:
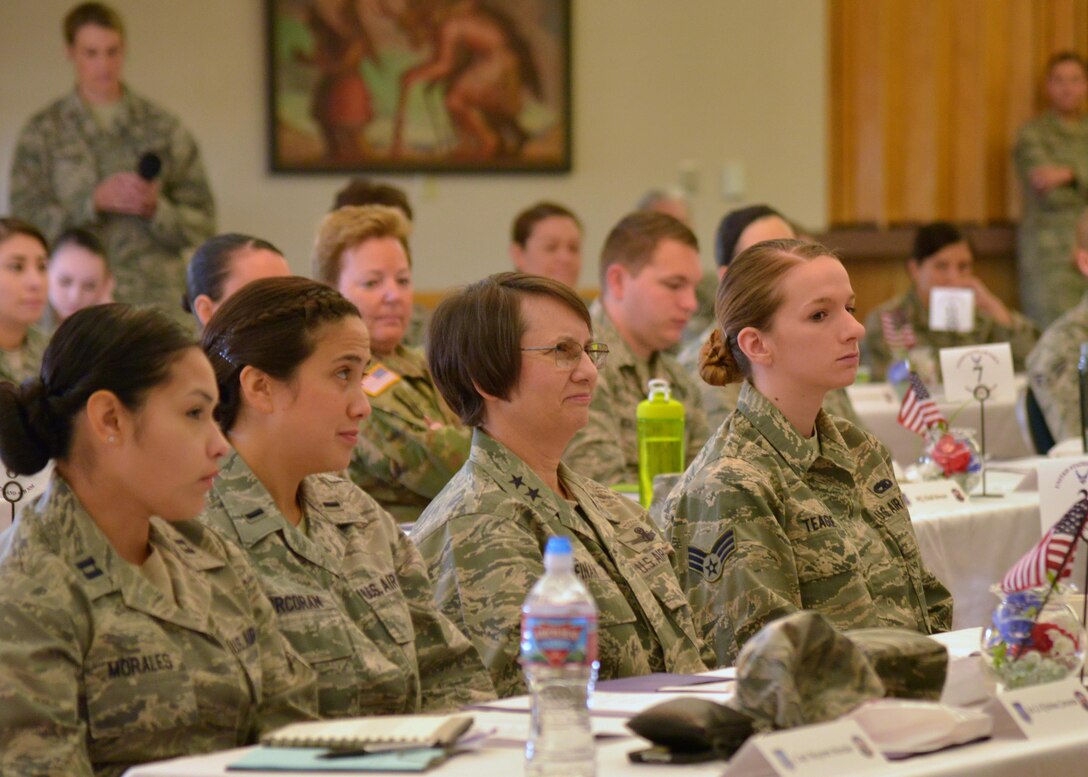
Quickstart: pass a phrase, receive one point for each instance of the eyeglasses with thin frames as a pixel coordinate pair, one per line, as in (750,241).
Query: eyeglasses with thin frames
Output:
(569,352)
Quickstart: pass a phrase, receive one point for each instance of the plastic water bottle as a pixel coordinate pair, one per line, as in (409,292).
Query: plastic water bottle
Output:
(559,657)
(660,438)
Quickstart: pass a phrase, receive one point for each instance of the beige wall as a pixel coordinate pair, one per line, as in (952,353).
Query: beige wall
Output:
(659,86)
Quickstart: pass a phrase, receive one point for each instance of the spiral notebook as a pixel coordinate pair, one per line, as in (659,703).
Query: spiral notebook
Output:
(379,732)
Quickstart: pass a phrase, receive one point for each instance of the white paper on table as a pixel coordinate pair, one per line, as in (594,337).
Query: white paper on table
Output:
(933,496)
(1061,483)
(974,372)
(951,309)
(902,727)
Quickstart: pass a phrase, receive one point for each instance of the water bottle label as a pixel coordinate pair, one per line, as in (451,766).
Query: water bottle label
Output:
(558,642)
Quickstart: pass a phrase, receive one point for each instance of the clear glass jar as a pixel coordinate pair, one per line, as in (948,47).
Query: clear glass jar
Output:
(1029,643)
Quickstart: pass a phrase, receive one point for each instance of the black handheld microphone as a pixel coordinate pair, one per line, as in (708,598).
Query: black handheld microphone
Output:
(149,166)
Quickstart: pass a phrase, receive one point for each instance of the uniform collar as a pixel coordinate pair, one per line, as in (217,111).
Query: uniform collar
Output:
(254,515)
(794,449)
(78,541)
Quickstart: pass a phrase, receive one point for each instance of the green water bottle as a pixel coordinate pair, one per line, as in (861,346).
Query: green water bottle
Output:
(660,438)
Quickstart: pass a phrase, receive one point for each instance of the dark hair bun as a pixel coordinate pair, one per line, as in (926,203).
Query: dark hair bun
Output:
(26,432)
(717,365)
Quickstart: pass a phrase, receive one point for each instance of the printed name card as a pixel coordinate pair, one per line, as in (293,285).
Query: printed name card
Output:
(1062,483)
(933,495)
(1049,710)
(825,750)
(951,309)
(978,373)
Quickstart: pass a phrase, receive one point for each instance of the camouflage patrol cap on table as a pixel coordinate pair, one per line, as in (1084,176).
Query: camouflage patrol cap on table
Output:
(911,665)
(799,670)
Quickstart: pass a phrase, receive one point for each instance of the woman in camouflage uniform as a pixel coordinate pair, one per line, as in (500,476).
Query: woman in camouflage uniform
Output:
(524,381)
(349,588)
(130,633)
(788,507)
(413,443)
(23,284)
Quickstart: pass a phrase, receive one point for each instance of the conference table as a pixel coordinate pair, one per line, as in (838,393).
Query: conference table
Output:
(877,405)
(1006,754)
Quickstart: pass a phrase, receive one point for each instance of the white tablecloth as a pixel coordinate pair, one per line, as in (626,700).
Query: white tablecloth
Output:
(878,407)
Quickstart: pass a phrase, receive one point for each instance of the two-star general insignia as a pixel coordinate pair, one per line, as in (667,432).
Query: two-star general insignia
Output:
(710,564)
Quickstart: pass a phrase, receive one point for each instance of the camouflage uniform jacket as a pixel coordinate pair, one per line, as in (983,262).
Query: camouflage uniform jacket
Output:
(29,357)
(1052,370)
(62,155)
(720,401)
(768,526)
(412,444)
(1020,336)
(483,539)
(101,670)
(606,450)
(351,595)
(1050,283)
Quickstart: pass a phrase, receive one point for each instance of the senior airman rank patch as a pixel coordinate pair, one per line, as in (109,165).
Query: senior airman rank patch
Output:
(711,564)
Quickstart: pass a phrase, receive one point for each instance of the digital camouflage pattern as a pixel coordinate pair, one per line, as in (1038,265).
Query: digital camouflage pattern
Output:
(875,352)
(101,670)
(706,294)
(351,595)
(768,525)
(62,155)
(412,444)
(26,360)
(720,401)
(1052,371)
(606,449)
(799,670)
(483,539)
(415,335)
(911,665)
(1050,283)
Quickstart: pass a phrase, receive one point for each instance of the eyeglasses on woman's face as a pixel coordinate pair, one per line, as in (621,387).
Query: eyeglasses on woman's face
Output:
(569,352)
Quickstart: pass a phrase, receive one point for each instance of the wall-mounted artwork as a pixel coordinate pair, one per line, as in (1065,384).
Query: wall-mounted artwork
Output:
(419,85)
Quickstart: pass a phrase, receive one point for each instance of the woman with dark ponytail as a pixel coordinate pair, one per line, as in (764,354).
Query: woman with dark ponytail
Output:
(349,588)
(130,633)
(788,507)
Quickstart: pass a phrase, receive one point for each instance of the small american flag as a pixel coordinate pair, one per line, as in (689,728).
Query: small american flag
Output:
(918,411)
(898,333)
(1052,557)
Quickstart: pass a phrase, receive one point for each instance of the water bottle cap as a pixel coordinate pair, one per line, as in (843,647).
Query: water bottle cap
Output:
(558,546)
(659,387)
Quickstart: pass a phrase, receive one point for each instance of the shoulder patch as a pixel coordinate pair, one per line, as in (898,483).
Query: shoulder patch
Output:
(378,379)
(710,564)
(882,486)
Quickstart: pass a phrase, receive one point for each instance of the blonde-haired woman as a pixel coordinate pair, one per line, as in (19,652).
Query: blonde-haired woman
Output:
(787,507)
(413,443)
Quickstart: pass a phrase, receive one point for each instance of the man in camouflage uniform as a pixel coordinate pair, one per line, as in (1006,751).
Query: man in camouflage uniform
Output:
(352,596)
(412,444)
(769,523)
(942,257)
(737,231)
(1052,364)
(649,269)
(101,668)
(75,165)
(483,539)
(1051,158)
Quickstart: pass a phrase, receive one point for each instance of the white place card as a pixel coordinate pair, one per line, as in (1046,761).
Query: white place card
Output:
(951,309)
(824,750)
(933,495)
(978,372)
(1061,485)
(1042,711)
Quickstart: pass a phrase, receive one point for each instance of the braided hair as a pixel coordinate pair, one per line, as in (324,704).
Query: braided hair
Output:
(271,325)
(117,348)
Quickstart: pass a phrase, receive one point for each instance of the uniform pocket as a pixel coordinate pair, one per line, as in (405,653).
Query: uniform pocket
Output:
(139,693)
